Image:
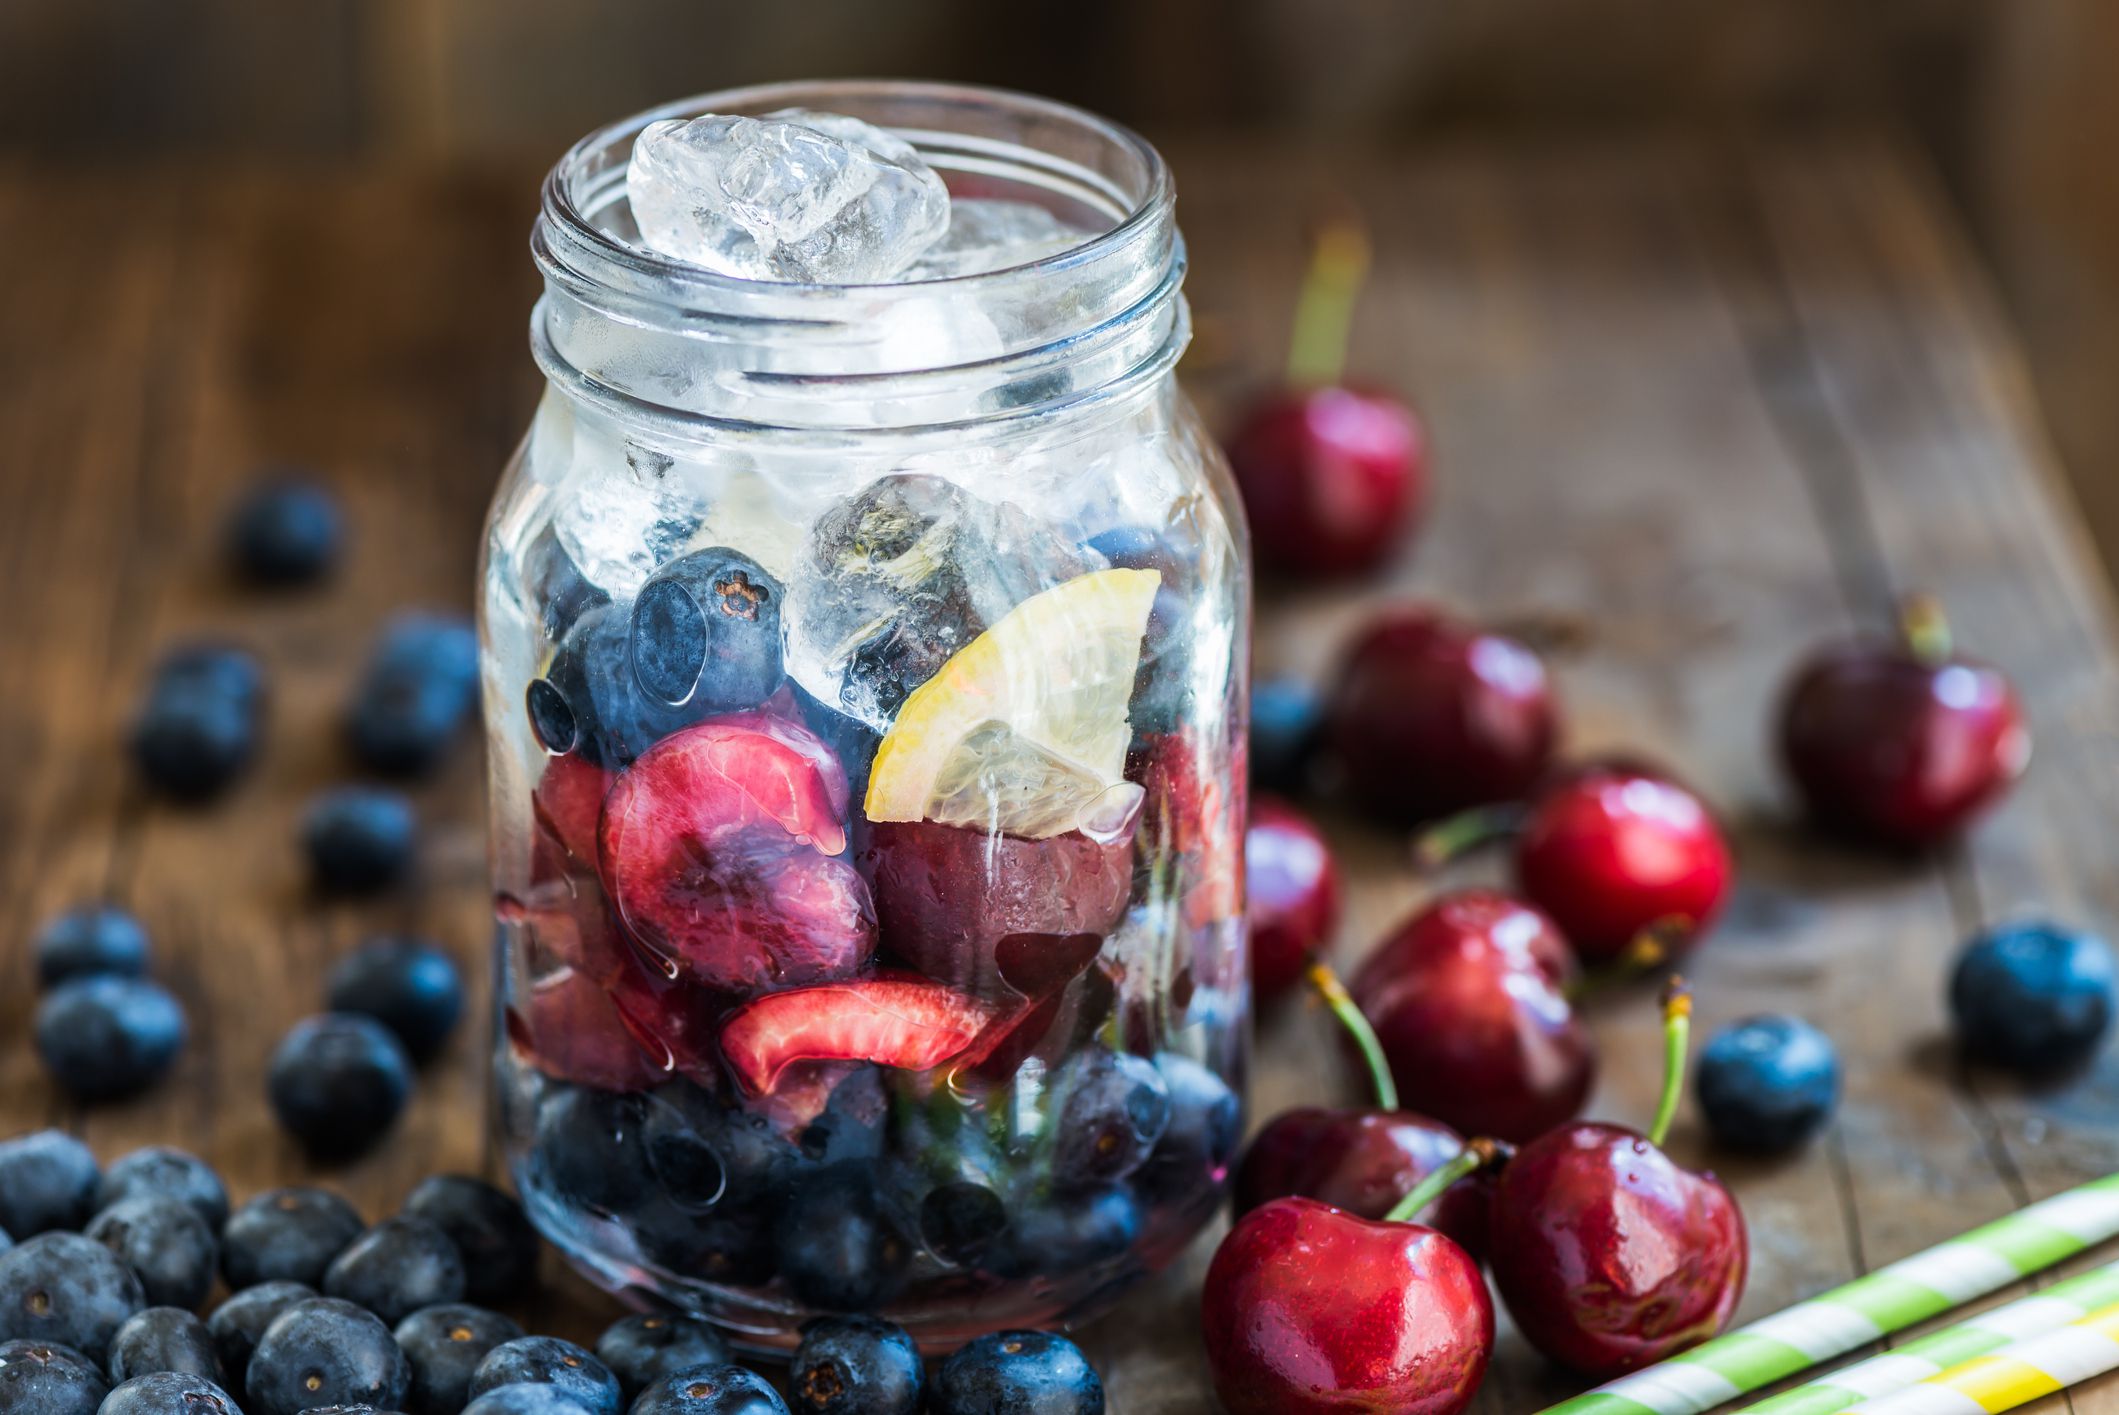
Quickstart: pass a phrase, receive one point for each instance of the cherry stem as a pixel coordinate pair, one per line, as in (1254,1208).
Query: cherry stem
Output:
(1677,1034)
(1350,1016)
(1651,948)
(1476,1155)
(1926,629)
(1465,832)
(1324,310)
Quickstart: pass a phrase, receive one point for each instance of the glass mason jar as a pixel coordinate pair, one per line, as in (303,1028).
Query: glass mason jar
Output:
(865,683)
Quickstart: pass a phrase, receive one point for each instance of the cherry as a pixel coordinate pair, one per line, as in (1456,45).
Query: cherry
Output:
(1364,1161)
(1308,1308)
(1469,1001)
(1330,475)
(1429,716)
(903,1022)
(1194,810)
(568,803)
(566,1026)
(1608,1254)
(1612,851)
(1902,742)
(1294,894)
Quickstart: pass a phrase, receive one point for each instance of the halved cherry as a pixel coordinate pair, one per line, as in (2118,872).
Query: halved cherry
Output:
(906,1023)
(568,801)
(670,1019)
(568,1028)
(1197,815)
(716,847)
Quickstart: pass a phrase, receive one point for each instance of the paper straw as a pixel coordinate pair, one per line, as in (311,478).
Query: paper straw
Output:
(1935,1353)
(1887,1300)
(2015,1375)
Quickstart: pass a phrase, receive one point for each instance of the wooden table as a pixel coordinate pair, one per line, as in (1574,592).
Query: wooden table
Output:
(1698,405)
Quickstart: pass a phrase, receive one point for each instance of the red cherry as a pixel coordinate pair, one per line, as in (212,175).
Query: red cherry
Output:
(906,1023)
(1363,1161)
(1469,1001)
(1429,716)
(1294,894)
(948,897)
(566,1026)
(1194,809)
(1310,1310)
(1331,479)
(1905,743)
(568,802)
(1611,851)
(1609,1255)
(716,847)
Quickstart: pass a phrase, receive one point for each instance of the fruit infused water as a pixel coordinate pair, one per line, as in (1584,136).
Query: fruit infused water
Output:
(865,621)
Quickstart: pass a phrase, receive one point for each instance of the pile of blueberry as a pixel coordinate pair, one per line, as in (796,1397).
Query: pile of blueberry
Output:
(102,1284)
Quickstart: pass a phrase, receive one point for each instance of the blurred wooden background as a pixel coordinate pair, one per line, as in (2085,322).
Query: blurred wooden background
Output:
(2015,101)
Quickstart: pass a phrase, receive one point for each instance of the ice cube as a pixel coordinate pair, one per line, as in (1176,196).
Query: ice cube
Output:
(901,576)
(986,234)
(795,195)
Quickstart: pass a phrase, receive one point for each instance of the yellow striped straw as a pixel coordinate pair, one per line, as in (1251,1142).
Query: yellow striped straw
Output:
(2015,1375)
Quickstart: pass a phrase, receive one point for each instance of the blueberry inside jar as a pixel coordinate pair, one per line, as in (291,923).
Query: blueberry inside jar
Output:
(865,623)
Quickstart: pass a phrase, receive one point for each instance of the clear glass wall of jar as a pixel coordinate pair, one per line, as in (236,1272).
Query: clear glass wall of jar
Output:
(865,678)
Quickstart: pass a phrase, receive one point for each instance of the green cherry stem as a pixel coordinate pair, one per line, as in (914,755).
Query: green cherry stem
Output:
(1677,1034)
(1465,832)
(1926,629)
(1350,1016)
(1476,1155)
(1324,310)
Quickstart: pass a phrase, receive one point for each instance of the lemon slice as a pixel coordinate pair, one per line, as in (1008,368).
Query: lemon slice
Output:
(1026,724)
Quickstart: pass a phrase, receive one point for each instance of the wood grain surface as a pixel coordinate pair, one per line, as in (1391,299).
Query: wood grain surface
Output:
(1691,408)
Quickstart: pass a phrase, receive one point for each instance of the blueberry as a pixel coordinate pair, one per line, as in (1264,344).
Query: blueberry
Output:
(359,839)
(199,724)
(711,1390)
(166,1243)
(237,1323)
(47,1180)
(45,1378)
(855,1366)
(172,1173)
(489,1228)
(526,1398)
(164,1339)
(286,1235)
(608,717)
(285,531)
(1017,1373)
(95,938)
(641,1350)
(1114,1107)
(733,1249)
(852,1123)
(396,1268)
(1065,1233)
(1767,1083)
(840,1249)
(588,1149)
(1206,1121)
(705,632)
(546,1360)
(959,1220)
(66,1288)
(2033,996)
(338,1082)
(407,984)
(170,1393)
(445,1345)
(685,1161)
(323,1351)
(107,1037)
(706,1157)
(1286,716)
(419,689)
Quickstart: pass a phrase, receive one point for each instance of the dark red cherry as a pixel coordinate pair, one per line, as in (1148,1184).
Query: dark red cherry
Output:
(1310,1310)
(1610,852)
(1331,479)
(1429,716)
(1609,1255)
(1294,894)
(1363,1161)
(1904,742)
(1469,1001)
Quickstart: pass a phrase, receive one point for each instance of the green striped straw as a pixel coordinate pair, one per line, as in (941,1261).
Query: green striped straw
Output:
(1887,1300)
(2058,1305)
